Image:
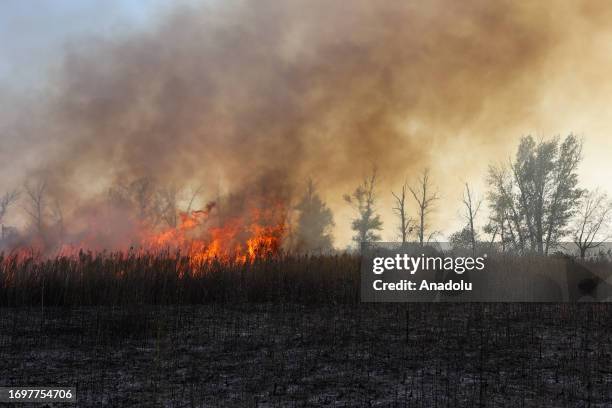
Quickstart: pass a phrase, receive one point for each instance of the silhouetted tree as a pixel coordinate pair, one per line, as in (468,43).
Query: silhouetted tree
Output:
(363,200)
(591,226)
(425,199)
(472,206)
(142,198)
(168,205)
(45,213)
(314,224)
(36,204)
(406,224)
(504,218)
(6,201)
(532,203)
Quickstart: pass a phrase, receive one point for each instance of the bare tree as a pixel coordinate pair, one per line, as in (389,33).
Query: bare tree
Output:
(363,200)
(142,197)
(590,230)
(57,215)
(425,200)
(472,206)
(45,213)
(143,194)
(36,205)
(406,224)
(169,211)
(195,195)
(6,201)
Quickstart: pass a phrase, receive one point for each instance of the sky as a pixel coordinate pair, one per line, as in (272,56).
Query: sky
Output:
(446,85)
(33,33)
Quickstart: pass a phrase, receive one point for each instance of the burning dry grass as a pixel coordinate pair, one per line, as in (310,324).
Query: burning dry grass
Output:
(259,234)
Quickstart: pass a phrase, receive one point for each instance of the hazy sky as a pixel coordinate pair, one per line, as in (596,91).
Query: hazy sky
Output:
(472,78)
(33,33)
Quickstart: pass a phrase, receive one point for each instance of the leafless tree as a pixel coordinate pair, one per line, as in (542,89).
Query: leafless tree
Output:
(142,197)
(143,193)
(57,214)
(168,207)
(6,201)
(591,228)
(406,223)
(472,206)
(425,199)
(36,205)
(195,195)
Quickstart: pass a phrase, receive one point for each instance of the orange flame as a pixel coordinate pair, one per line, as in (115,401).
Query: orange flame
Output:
(202,236)
(240,240)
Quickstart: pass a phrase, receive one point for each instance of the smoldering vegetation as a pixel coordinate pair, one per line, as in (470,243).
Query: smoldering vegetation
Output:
(267,355)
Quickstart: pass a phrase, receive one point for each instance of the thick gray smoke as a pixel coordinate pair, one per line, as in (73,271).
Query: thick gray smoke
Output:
(240,92)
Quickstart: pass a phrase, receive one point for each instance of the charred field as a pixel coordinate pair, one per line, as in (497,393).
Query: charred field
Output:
(137,330)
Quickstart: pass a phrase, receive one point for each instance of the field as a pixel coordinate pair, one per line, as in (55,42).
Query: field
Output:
(286,332)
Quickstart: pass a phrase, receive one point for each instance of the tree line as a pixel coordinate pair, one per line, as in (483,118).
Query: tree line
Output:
(534,202)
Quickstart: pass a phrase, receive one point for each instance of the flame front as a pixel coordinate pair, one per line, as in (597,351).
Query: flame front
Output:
(248,228)
(260,234)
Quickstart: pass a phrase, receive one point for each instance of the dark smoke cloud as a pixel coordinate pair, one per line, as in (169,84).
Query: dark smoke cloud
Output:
(242,90)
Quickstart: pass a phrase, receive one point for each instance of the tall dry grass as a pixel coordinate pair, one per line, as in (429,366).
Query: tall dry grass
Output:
(169,278)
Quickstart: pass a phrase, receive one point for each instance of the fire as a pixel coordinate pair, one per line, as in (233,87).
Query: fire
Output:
(202,236)
(243,239)
(265,242)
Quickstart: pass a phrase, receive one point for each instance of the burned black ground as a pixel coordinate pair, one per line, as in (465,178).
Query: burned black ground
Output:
(287,354)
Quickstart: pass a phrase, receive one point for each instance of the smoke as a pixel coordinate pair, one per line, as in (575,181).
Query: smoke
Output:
(239,92)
